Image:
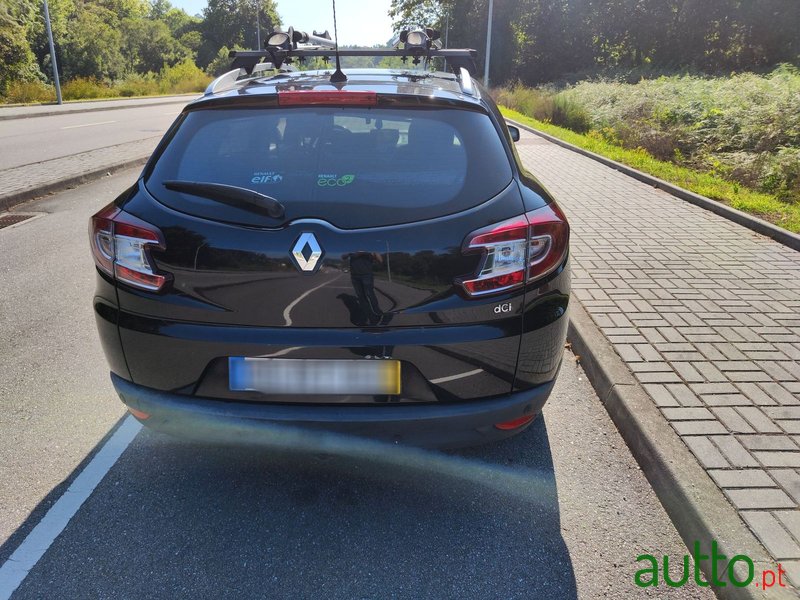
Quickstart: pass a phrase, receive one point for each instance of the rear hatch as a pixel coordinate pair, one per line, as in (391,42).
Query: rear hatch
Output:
(367,258)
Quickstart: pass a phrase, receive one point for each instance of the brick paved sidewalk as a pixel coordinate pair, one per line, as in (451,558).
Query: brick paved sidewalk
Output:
(29,178)
(706,314)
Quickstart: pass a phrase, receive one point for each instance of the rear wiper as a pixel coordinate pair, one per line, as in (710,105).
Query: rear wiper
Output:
(231,195)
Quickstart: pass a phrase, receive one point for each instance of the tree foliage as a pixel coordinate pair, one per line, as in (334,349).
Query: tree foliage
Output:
(538,41)
(108,41)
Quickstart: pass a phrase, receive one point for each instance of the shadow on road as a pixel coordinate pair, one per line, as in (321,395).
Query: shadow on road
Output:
(181,519)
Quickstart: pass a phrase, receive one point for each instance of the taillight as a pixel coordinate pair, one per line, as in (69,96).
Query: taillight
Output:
(121,246)
(327,97)
(517,251)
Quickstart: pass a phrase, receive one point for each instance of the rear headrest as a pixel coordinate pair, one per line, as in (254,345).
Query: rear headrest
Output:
(433,135)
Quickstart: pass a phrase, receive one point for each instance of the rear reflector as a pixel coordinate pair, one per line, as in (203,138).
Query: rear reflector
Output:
(328,97)
(142,416)
(515,423)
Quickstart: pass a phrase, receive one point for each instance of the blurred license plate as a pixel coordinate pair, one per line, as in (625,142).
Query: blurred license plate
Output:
(310,376)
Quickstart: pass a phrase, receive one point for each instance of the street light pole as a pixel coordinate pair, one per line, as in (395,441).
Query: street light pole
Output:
(258,26)
(53,60)
(488,46)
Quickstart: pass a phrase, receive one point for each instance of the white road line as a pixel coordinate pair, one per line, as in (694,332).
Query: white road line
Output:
(88,124)
(458,376)
(287,311)
(14,571)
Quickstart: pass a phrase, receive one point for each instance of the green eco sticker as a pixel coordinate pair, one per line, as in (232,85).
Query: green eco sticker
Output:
(333,181)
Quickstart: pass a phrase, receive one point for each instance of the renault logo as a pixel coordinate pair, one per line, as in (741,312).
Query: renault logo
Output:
(307,252)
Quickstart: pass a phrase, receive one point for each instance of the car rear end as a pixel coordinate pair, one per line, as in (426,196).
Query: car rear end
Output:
(414,288)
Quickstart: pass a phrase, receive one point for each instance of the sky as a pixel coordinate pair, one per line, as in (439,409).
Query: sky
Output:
(363,22)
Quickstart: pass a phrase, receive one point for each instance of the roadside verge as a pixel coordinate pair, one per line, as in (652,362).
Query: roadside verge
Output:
(782,236)
(84,106)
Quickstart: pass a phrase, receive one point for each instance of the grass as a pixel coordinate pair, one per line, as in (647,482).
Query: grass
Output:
(763,205)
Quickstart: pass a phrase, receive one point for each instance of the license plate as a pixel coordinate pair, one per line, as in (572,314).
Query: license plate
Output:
(311,376)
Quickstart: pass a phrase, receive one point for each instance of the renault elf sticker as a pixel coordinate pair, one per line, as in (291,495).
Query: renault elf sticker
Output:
(266,177)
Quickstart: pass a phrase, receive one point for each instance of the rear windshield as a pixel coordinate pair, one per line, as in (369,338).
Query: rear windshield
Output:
(351,166)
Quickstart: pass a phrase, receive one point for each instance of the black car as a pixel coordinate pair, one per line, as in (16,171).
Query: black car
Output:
(369,258)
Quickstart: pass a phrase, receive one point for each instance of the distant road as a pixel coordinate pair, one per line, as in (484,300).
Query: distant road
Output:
(25,141)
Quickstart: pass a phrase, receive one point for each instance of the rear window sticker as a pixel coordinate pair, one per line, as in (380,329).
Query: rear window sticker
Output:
(332,180)
(266,177)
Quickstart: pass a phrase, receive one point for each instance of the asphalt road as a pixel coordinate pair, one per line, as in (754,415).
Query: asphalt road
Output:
(561,511)
(35,139)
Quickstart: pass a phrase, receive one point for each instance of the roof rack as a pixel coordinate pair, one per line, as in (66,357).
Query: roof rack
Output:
(288,46)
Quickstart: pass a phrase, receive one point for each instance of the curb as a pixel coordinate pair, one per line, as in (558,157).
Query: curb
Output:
(782,236)
(694,503)
(86,109)
(12,200)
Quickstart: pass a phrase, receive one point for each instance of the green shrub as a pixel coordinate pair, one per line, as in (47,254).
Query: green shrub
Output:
(182,78)
(745,127)
(86,88)
(545,105)
(137,85)
(23,92)
(569,113)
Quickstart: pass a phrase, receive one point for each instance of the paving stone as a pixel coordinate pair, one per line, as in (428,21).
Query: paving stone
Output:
(698,427)
(790,520)
(713,388)
(779,393)
(733,420)
(782,412)
(759,498)
(778,459)
(683,394)
(758,419)
(669,377)
(650,367)
(772,534)
(736,454)
(725,399)
(789,480)
(660,395)
(706,452)
(687,372)
(710,372)
(756,394)
(748,376)
(768,442)
(648,352)
(687,414)
(741,478)
(789,426)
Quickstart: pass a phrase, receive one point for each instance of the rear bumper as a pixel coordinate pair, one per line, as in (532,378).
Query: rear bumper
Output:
(429,425)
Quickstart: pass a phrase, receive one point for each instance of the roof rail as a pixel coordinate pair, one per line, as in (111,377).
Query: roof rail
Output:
(224,82)
(465,79)
(230,79)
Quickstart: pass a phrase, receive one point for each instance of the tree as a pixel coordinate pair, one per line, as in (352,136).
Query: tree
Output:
(148,45)
(233,22)
(93,45)
(17,62)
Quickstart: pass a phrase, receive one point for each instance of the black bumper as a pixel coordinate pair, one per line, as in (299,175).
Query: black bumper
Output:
(429,425)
